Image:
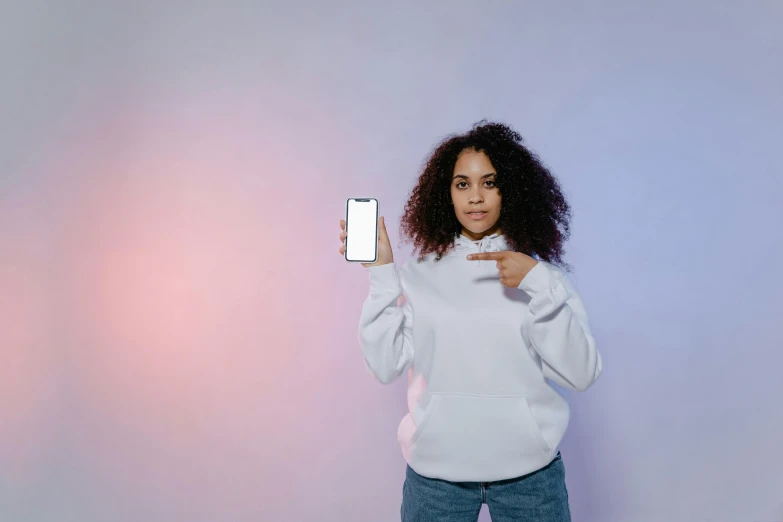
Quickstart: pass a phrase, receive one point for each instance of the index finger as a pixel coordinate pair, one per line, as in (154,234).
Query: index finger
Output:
(488,255)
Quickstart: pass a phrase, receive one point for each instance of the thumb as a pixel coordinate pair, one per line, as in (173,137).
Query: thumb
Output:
(382,229)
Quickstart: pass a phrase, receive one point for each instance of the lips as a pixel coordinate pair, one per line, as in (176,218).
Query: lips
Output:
(477,215)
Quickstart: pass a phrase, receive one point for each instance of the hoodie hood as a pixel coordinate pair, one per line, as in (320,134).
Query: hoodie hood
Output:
(464,245)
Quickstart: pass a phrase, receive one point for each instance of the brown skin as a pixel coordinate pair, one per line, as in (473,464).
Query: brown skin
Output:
(472,188)
(513,266)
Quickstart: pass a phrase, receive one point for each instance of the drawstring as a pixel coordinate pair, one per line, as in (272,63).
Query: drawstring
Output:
(488,244)
(493,243)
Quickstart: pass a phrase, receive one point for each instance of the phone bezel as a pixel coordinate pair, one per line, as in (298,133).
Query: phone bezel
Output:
(377,214)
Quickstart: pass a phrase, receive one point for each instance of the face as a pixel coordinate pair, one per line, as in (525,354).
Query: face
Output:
(473,189)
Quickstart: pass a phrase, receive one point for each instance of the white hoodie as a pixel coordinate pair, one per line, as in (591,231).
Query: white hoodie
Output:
(478,355)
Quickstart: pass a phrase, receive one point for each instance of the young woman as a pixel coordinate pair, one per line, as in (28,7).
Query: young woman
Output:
(482,320)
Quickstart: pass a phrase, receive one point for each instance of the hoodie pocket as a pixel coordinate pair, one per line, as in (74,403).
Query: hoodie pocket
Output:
(425,417)
(475,430)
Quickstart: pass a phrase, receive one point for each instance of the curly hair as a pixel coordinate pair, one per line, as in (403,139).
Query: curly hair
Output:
(534,214)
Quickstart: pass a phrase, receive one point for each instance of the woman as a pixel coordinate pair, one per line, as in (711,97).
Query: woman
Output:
(481,320)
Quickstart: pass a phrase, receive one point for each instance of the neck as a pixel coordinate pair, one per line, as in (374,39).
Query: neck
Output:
(480,235)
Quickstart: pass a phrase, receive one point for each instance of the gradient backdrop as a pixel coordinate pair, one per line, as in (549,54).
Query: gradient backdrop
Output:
(178,332)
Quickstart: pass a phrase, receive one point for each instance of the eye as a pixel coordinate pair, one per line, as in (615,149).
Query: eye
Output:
(491,181)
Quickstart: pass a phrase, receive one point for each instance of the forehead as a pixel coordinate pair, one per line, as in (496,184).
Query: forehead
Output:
(473,164)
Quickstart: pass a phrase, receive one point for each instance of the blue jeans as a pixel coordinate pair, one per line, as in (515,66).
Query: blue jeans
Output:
(540,496)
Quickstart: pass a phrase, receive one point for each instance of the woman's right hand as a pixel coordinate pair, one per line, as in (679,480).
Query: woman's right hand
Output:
(385,254)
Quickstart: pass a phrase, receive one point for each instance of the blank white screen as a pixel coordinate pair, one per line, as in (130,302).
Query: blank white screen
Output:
(361,230)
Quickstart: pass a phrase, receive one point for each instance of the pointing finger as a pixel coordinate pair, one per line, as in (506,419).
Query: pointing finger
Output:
(488,255)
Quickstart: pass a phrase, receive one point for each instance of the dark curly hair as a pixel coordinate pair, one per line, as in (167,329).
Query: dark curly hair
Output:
(534,214)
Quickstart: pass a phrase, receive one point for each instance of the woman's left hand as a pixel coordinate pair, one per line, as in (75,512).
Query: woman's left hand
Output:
(513,266)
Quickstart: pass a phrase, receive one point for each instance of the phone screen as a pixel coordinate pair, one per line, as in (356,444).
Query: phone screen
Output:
(361,228)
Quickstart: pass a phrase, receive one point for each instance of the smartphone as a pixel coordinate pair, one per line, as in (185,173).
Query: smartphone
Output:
(361,229)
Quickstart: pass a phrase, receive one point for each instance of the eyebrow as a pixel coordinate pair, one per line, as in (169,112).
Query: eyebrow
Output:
(482,177)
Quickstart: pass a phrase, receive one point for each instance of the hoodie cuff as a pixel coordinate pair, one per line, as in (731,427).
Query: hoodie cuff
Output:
(384,278)
(544,289)
(537,280)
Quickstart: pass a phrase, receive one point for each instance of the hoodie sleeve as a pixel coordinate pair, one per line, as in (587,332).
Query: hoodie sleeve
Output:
(386,328)
(559,331)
